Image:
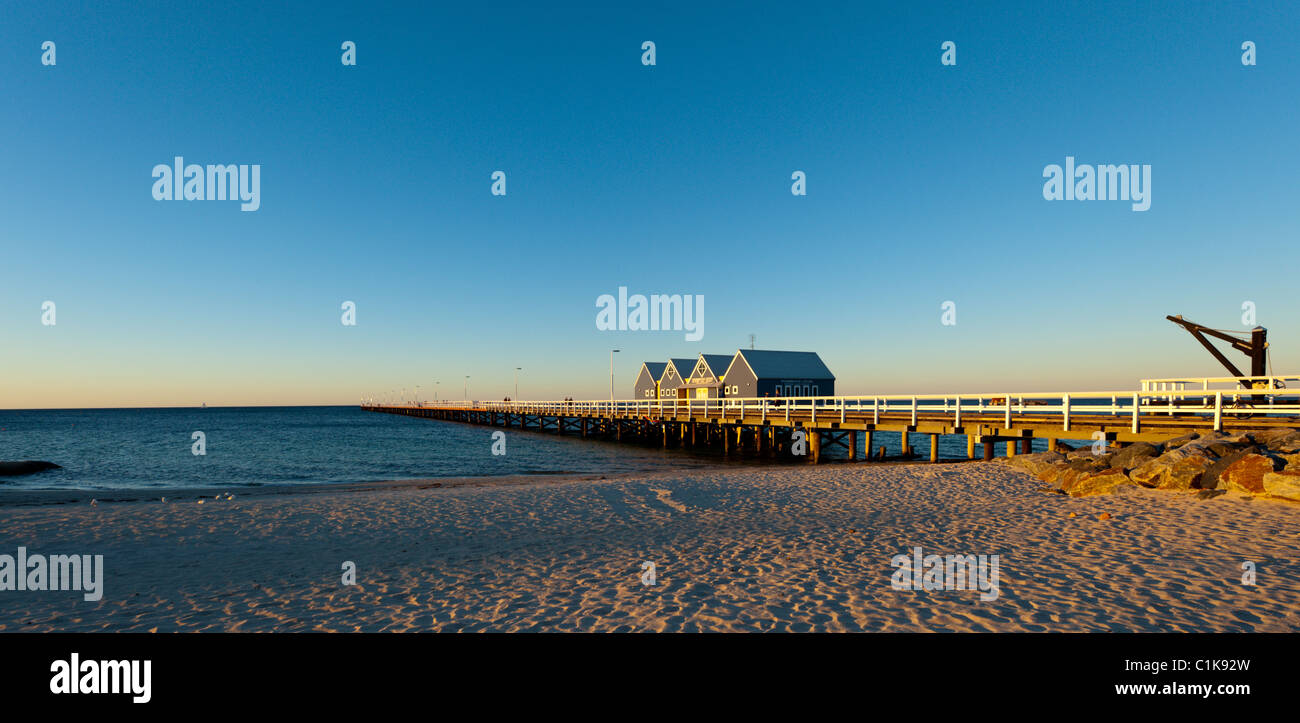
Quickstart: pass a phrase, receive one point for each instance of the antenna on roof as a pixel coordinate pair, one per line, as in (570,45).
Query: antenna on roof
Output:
(751,342)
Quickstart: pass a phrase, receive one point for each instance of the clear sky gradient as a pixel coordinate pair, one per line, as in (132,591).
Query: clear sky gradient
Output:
(924,184)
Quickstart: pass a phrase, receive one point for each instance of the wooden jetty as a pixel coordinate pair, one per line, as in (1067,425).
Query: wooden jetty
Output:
(765,427)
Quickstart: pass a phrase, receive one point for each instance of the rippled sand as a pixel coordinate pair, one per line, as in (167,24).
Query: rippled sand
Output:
(735,549)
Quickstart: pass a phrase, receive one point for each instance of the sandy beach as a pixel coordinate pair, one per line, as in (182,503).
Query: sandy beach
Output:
(789,548)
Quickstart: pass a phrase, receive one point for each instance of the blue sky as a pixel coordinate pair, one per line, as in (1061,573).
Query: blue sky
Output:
(924,185)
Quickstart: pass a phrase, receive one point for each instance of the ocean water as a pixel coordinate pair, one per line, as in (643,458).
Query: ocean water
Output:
(253,446)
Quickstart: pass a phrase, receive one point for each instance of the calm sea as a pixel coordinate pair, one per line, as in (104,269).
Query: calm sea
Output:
(249,446)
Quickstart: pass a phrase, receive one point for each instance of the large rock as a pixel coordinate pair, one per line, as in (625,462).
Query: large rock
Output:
(1185,474)
(1208,438)
(30,466)
(1037,462)
(1283,484)
(1247,473)
(1099,482)
(1269,437)
(1284,441)
(1213,477)
(1178,469)
(1177,442)
(1086,452)
(1061,473)
(1134,455)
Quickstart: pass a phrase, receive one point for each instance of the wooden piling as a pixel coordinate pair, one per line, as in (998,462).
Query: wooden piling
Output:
(934,448)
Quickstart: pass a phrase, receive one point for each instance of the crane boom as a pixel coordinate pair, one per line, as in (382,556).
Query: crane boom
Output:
(1255,347)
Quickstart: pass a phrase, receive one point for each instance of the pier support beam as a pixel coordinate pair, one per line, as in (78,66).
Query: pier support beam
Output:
(934,448)
(1026,445)
(853,446)
(970,446)
(815,445)
(988,443)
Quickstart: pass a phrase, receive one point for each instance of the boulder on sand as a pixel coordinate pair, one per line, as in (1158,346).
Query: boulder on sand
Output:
(1247,473)
(1213,477)
(1283,484)
(1035,463)
(1064,475)
(1134,455)
(1178,469)
(1100,482)
(30,466)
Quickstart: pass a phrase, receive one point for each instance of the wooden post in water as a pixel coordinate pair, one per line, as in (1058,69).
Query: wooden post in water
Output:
(1011,447)
(853,446)
(1026,445)
(866,445)
(970,446)
(988,443)
(934,448)
(902,442)
(815,445)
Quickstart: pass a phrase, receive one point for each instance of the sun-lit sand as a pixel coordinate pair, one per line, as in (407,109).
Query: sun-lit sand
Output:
(735,549)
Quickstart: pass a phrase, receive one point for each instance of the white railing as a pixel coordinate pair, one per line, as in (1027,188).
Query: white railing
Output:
(1215,404)
(1224,383)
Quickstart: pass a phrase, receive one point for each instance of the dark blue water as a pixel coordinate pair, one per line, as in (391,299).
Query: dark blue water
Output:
(151,448)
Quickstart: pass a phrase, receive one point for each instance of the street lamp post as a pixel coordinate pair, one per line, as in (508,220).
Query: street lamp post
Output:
(466,387)
(612,352)
(516,396)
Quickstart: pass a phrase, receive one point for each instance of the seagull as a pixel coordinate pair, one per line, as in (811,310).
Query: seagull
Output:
(94,503)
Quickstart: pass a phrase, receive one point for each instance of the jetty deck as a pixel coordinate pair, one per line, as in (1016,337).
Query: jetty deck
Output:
(766,427)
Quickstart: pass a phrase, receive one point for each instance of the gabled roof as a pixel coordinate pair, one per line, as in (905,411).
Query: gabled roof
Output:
(679,365)
(785,364)
(718,363)
(656,369)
